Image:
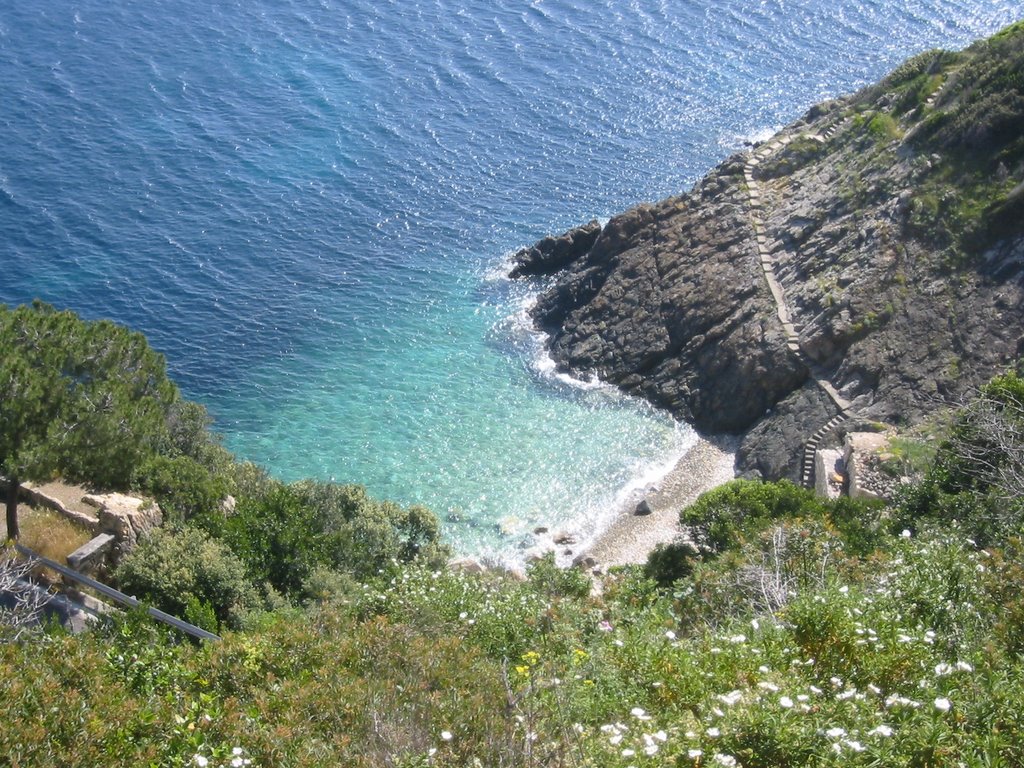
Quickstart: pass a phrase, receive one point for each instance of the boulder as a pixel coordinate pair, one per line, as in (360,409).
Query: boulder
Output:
(467,565)
(643,508)
(127,518)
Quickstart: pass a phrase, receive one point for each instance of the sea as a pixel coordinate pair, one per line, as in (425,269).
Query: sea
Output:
(309,207)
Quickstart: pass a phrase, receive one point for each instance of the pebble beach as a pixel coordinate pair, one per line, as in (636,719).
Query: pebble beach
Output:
(632,537)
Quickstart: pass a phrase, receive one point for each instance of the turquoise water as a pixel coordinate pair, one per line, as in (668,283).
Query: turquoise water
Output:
(307,206)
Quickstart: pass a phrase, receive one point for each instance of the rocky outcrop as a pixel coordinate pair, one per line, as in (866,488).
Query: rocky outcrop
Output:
(555,253)
(827,238)
(127,518)
(669,304)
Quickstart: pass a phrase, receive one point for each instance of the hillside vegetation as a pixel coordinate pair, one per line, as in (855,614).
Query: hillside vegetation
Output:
(800,632)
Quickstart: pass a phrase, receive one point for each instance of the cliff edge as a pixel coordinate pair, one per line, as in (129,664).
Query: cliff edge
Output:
(865,264)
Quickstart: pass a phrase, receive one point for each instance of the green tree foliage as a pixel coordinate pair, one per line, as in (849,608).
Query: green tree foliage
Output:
(88,399)
(186,573)
(977,477)
(365,534)
(742,516)
(277,536)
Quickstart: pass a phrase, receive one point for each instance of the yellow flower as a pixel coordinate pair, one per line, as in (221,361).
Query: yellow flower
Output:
(531,658)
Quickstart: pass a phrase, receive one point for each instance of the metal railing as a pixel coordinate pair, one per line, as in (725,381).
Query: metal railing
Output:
(116,596)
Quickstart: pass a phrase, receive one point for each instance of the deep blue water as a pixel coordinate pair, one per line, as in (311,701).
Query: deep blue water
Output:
(306,205)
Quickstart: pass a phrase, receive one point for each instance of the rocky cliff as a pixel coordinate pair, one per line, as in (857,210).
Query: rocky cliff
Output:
(865,264)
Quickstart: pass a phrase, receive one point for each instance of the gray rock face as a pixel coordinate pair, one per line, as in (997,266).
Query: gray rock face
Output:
(670,301)
(670,304)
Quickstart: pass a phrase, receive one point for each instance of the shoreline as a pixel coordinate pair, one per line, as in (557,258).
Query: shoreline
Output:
(631,538)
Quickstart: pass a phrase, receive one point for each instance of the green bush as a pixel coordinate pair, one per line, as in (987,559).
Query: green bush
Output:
(670,562)
(366,535)
(183,487)
(174,570)
(277,536)
(731,514)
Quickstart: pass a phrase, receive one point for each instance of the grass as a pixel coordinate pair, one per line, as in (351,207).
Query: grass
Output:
(47,532)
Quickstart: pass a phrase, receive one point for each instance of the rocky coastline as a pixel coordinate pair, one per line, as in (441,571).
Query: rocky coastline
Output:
(805,283)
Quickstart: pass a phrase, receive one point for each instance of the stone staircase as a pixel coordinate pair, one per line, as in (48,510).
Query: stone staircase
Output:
(811,447)
(778,294)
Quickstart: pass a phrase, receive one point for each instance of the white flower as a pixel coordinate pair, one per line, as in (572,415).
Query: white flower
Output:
(963,666)
(236,751)
(639,714)
(614,740)
(670,635)
(881,730)
(693,754)
(714,733)
(661,736)
(943,704)
(727,761)
(835,733)
(768,686)
(446,735)
(785,702)
(905,534)
(902,701)
(730,698)
(738,639)
(237,762)
(628,753)
(201,761)
(941,670)
(856,746)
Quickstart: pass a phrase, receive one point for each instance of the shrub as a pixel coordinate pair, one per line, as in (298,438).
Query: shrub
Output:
(276,536)
(174,570)
(183,487)
(670,562)
(731,514)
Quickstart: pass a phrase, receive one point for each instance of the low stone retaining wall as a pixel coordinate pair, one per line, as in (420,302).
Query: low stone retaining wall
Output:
(35,496)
